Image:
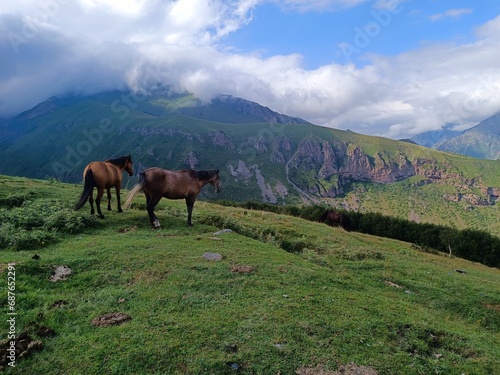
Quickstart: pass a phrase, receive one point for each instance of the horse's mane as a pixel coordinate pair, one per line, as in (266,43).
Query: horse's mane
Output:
(204,175)
(118,161)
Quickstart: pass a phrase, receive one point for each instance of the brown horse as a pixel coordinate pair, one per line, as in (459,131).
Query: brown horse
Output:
(103,175)
(157,183)
(337,219)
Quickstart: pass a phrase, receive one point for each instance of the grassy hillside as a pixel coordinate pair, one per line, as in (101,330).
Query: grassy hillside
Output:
(270,162)
(343,298)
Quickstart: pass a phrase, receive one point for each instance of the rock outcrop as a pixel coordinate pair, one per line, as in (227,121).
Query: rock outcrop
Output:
(324,169)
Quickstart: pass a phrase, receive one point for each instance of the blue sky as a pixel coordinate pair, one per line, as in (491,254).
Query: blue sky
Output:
(318,34)
(393,68)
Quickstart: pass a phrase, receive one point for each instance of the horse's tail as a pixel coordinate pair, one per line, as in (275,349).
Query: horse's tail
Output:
(88,186)
(135,190)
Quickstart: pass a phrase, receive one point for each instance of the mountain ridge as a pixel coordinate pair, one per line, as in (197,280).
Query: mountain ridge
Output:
(275,162)
(480,141)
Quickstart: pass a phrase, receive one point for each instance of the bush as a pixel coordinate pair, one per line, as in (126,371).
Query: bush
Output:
(15,200)
(38,222)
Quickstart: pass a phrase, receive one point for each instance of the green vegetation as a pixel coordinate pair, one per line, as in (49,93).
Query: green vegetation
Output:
(312,295)
(258,161)
(474,245)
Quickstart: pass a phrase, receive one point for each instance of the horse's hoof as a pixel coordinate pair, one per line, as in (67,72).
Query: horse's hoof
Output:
(101,216)
(120,210)
(156,224)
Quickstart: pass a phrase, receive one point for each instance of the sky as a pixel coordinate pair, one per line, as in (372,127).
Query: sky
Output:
(393,68)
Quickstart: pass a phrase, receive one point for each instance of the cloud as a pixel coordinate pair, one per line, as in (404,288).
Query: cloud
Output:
(56,46)
(389,4)
(86,46)
(451,13)
(318,5)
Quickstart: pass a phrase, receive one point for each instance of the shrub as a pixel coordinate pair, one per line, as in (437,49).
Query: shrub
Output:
(15,200)
(38,222)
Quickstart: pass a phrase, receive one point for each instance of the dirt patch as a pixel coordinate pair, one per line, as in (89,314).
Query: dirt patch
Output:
(242,269)
(4,266)
(110,319)
(13,350)
(59,303)
(349,369)
(215,238)
(394,285)
(495,307)
(45,332)
(60,273)
(125,230)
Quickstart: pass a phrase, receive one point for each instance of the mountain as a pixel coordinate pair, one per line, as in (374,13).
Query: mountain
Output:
(262,155)
(436,138)
(481,141)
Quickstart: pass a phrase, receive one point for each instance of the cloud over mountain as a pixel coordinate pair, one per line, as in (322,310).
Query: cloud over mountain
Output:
(57,46)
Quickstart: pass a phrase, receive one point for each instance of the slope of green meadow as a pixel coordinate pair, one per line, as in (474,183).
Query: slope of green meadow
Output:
(287,294)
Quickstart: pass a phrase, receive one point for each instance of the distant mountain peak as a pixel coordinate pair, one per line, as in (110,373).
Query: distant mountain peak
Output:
(247,107)
(40,109)
(435,138)
(481,141)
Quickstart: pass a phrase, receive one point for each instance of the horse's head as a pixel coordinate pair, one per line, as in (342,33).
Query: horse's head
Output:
(215,181)
(128,165)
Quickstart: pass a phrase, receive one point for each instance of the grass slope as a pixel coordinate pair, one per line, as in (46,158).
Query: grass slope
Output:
(344,297)
(173,132)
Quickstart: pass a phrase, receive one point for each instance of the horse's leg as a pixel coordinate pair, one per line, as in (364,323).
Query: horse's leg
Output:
(151,203)
(117,188)
(100,193)
(190,204)
(91,201)
(108,192)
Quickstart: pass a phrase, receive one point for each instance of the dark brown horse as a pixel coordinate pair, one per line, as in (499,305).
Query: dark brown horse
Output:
(103,175)
(157,183)
(336,219)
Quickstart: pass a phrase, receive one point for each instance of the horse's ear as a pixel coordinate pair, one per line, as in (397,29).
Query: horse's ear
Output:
(217,171)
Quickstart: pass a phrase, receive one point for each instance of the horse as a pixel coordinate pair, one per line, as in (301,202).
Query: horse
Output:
(186,184)
(103,175)
(338,219)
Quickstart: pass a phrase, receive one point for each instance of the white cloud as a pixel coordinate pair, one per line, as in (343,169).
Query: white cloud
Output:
(74,46)
(122,7)
(391,5)
(451,13)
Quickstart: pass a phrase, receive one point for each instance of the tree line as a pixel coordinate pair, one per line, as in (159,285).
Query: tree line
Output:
(471,244)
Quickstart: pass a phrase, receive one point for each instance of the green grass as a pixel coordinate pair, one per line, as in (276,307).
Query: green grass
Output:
(317,295)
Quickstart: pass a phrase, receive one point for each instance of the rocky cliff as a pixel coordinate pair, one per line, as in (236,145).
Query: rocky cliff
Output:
(324,168)
(263,155)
